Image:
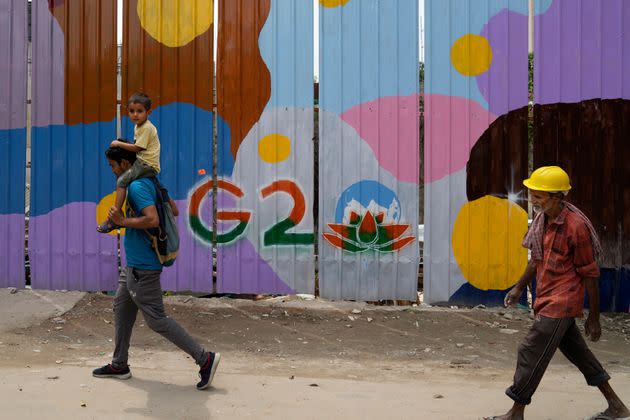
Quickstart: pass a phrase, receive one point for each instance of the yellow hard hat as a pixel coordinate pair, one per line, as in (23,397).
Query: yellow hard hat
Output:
(548,178)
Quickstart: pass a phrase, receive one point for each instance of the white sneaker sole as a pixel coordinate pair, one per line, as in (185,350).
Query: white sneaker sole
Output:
(122,377)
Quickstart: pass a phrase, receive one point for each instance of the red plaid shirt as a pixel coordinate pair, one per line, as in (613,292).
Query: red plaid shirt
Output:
(567,259)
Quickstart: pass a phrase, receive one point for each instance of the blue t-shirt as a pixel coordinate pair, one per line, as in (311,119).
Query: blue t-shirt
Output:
(140,194)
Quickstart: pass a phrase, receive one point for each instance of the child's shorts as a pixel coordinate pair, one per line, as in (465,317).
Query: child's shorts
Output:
(138,170)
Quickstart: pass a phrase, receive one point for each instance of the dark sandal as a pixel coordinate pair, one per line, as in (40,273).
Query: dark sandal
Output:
(107,226)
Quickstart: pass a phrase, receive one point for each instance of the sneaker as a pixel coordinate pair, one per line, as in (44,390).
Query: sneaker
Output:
(207,371)
(109,371)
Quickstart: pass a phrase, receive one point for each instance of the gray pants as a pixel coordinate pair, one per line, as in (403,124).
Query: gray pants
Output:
(138,170)
(538,348)
(142,291)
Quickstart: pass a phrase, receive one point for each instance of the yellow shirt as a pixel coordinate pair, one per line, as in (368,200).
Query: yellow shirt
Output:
(146,137)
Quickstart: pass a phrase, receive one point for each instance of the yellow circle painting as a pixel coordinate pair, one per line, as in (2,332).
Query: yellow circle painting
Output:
(471,55)
(487,238)
(102,210)
(175,23)
(333,3)
(274,148)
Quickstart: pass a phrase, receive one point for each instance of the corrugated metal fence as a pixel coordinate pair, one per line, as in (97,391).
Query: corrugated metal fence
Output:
(171,60)
(260,221)
(369,150)
(477,136)
(475,148)
(12,140)
(241,164)
(74,120)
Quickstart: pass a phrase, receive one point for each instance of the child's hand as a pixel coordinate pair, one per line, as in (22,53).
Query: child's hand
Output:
(116,216)
(114,143)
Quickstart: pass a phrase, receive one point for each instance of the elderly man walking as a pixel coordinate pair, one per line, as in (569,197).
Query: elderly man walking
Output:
(564,248)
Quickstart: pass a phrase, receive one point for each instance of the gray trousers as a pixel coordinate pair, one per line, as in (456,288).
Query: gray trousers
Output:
(538,348)
(138,170)
(142,291)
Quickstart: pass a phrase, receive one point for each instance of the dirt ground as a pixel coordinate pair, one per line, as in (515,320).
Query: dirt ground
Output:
(294,358)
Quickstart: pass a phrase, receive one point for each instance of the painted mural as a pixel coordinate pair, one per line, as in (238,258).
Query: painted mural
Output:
(74,120)
(476,101)
(368,150)
(260,223)
(168,54)
(582,100)
(265,164)
(12,141)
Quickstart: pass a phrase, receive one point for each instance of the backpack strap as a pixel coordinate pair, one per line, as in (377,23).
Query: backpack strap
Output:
(159,205)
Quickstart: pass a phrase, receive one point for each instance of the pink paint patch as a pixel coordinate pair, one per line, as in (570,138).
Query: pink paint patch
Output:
(453,126)
(390,127)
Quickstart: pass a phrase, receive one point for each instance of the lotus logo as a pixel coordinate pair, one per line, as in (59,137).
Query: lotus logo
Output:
(368,232)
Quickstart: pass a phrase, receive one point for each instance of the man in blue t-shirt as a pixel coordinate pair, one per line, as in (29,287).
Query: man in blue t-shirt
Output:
(141,289)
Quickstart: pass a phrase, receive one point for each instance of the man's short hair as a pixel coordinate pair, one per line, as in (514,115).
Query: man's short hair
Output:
(118,154)
(140,98)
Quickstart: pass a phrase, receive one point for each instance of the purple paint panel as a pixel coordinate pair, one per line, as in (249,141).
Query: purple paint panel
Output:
(66,251)
(12,250)
(504,85)
(582,51)
(244,271)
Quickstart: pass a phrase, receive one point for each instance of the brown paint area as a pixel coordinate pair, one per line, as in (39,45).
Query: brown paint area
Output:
(167,75)
(90,59)
(243,79)
(498,161)
(591,141)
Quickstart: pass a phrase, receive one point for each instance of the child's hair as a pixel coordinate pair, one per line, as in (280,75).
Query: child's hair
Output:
(140,98)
